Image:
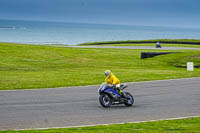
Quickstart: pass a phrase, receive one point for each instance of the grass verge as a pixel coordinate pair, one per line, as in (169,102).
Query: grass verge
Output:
(189,125)
(35,66)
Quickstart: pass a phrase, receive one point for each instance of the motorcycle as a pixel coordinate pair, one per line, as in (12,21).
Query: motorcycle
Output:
(109,96)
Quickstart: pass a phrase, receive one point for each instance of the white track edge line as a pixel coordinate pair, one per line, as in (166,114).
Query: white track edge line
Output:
(80,126)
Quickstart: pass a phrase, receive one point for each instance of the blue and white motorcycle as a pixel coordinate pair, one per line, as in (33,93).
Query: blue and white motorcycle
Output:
(109,96)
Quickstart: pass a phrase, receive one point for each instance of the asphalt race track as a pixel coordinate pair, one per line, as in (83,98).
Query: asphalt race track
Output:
(135,47)
(75,106)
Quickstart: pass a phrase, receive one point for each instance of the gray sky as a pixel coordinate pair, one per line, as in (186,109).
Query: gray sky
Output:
(182,13)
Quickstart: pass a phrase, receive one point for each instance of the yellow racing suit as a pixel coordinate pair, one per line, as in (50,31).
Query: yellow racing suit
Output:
(113,80)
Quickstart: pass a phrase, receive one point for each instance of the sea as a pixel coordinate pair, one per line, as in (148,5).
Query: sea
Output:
(40,32)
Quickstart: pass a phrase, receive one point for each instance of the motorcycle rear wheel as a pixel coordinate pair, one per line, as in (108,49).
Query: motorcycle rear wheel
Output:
(105,100)
(129,99)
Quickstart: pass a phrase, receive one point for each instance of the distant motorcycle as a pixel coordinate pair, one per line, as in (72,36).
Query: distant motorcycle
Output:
(158,45)
(109,96)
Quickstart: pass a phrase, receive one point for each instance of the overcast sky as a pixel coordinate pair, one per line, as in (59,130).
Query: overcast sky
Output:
(182,13)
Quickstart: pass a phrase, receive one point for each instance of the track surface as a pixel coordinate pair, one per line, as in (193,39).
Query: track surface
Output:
(138,47)
(74,106)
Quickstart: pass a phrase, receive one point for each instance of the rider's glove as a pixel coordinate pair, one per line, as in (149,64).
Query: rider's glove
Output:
(109,85)
(114,86)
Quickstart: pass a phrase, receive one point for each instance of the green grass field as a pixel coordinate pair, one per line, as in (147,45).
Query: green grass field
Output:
(35,66)
(190,125)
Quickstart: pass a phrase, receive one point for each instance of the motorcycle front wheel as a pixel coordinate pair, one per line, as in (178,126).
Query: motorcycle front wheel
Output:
(105,100)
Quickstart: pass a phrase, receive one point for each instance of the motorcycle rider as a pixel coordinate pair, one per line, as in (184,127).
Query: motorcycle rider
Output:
(113,82)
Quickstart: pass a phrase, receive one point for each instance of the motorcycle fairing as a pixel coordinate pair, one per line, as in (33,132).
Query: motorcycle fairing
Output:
(112,92)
